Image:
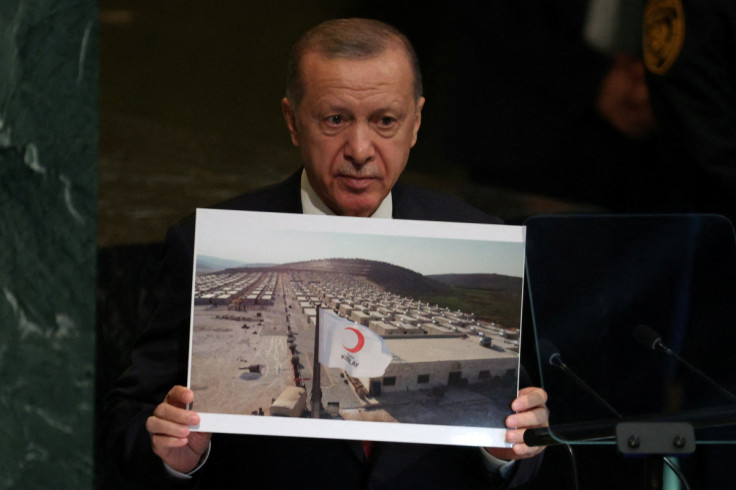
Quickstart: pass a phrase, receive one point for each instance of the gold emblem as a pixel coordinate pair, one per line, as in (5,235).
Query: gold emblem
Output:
(664,34)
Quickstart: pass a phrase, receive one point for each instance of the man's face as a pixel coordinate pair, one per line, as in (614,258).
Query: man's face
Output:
(355,125)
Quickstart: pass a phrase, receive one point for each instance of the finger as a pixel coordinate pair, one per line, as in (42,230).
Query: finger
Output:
(179,396)
(517,451)
(161,443)
(520,450)
(529,397)
(162,427)
(165,411)
(537,417)
(515,436)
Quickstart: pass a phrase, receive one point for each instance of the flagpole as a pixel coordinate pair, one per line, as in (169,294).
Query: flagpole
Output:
(316,389)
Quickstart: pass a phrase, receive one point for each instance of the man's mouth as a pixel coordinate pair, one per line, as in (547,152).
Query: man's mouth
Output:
(356,182)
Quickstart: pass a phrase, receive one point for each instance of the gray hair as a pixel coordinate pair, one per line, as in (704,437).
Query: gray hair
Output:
(350,39)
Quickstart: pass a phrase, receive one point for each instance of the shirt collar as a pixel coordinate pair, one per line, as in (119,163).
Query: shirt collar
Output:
(312,204)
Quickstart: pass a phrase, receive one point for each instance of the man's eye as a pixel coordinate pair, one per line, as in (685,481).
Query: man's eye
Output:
(386,121)
(335,120)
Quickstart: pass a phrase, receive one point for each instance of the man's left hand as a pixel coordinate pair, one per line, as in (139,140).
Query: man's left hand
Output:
(531,412)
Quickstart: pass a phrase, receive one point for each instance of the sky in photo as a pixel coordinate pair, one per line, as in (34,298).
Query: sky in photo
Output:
(270,238)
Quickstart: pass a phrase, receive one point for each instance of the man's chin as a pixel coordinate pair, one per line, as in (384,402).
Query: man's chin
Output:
(357,205)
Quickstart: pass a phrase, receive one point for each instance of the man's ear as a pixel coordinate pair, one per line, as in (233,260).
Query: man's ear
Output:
(417,120)
(290,117)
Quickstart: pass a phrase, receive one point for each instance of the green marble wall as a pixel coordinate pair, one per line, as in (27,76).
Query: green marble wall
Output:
(48,179)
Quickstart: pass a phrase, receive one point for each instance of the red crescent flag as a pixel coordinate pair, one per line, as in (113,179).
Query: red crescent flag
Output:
(347,345)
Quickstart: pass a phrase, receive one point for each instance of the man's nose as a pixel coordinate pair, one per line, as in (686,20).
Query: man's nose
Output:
(359,148)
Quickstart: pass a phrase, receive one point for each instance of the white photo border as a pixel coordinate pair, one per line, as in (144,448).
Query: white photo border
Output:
(211,220)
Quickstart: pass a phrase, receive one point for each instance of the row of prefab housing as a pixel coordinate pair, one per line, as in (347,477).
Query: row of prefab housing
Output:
(431,345)
(463,349)
(385,313)
(237,289)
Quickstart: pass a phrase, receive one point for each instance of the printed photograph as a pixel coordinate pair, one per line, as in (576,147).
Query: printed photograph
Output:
(325,321)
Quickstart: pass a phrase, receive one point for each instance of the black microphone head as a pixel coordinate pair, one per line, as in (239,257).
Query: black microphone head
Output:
(548,352)
(646,336)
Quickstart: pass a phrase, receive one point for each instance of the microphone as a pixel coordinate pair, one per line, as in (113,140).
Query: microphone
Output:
(648,337)
(551,355)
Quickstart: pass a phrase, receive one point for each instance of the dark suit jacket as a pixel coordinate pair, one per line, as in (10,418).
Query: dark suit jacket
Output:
(159,362)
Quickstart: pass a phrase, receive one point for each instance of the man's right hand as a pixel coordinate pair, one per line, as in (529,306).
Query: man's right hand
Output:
(171,439)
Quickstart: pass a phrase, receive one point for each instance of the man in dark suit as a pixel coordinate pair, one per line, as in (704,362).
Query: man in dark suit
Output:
(353,107)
